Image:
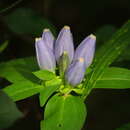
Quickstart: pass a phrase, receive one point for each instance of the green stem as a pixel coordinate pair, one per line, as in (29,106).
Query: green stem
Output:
(10,7)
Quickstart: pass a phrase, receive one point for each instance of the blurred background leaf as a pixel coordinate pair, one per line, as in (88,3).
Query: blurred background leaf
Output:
(124,127)
(8,111)
(3,46)
(27,21)
(104,33)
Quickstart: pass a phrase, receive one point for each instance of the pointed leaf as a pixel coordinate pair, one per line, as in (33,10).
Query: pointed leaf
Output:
(22,90)
(50,87)
(114,78)
(44,74)
(18,69)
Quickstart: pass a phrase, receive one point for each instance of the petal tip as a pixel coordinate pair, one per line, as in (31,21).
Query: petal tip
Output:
(81,60)
(67,27)
(92,36)
(46,30)
(37,39)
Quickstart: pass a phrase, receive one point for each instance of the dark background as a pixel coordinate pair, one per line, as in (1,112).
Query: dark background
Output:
(107,109)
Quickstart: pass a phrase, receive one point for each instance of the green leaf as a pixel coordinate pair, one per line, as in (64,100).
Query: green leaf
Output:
(64,113)
(10,73)
(125,55)
(19,69)
(16,74)
(124,127)
(50,87)
(8,111)
(27,21)
(3,46)
(44,74)
(29,63)
(107,54)
(22,90)
(114,78)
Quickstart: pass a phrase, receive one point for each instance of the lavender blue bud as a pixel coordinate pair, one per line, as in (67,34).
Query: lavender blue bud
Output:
(75,72)
(48,37)
(64,43)
(45,56)
(86,50)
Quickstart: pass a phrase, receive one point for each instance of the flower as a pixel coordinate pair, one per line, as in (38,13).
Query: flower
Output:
(64,43)
(45,56)
(72,66)
(75,72)
(82,59)
(86,50)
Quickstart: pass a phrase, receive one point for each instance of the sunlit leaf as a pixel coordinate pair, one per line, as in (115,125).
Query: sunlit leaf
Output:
(22,90)
(18,69)
(44,74)
(64,113)
(50,87)
(114,78)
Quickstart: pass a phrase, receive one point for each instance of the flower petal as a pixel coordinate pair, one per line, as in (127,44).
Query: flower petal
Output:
(48,37)
(86,50)
(45,56)
(64,43)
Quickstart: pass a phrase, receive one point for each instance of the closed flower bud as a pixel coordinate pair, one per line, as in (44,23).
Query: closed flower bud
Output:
(75,72)
(64,43)
(63,63)
(48,37)
(86,50)
(45,56)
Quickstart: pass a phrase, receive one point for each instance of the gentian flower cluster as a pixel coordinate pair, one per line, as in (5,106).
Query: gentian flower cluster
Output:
(61,51)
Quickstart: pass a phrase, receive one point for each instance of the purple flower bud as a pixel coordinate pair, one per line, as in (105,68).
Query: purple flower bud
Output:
(86,50)
(64,43)
(75,72)
(45,56)
(48,37)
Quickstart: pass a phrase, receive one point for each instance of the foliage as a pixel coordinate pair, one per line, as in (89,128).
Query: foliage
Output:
(109,52)
(124,127)
(29,22)
(64,105)
(8,111)
(3,46)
